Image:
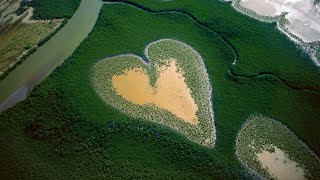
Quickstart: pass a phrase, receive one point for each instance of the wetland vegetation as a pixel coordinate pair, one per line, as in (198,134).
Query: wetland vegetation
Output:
(26,25)
(177,94)
(21,39)
(49,9)
(272,150)
(64,128)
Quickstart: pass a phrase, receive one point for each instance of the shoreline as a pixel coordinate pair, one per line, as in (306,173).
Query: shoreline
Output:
(10,17)
(280,21)
(51,54)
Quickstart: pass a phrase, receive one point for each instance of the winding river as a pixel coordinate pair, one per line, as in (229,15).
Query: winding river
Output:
(17,85)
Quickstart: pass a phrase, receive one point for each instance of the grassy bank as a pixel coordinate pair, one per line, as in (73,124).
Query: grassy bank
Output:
(74,131)
(20,39)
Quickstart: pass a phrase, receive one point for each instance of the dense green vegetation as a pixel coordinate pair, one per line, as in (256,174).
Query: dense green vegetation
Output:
(65,147)
(158,53)
(90,137)
(259,46)
(50,9)
(261,133)
(68,128)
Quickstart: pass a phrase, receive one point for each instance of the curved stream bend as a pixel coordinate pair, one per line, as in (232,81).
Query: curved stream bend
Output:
(16,86)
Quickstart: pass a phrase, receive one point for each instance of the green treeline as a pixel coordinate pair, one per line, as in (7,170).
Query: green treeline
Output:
(259,46)
(64,129)
(50,9)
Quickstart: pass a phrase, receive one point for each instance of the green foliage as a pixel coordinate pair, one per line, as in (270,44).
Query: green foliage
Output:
(157,54)
(259,133)
(51,9)
(78,135)
(22,8)
(259,46)
(270,70)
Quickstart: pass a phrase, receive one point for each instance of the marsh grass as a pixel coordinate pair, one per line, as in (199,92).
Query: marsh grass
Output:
(21,38)
(261,134)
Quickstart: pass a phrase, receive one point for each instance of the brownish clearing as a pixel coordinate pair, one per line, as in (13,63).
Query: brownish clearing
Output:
(279,165)
(170,92)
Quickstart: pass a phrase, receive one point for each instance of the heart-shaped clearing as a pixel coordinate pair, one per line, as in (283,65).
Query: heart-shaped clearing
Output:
(170,92)
(173,89)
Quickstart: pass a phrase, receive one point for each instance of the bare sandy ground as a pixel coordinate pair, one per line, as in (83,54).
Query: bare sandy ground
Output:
(7,12)
(279,165)
(303,18)
(8,15)
(170,91)
(169,87)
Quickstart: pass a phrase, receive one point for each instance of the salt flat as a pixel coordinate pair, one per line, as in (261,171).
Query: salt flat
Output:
(303,16)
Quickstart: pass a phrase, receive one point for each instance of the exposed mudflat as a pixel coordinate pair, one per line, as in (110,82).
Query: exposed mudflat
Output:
(279,165)
(170,92)
(303,18)
(170,87)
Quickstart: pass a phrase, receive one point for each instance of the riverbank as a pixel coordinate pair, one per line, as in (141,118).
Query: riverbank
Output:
(20,35)
(50,55)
